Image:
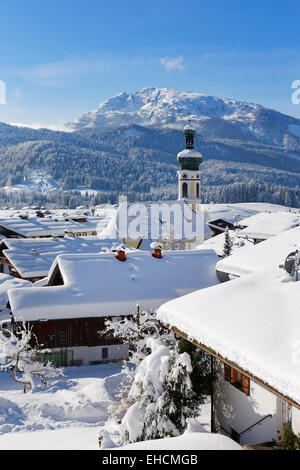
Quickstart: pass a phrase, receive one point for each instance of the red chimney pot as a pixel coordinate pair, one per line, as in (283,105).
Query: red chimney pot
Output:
(121,255)
(157,253)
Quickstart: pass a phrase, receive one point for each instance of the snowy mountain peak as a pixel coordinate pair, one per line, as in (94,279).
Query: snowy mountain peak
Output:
(163,106)
(211,116)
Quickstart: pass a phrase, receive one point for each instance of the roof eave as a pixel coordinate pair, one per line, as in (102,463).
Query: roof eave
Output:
(237,367)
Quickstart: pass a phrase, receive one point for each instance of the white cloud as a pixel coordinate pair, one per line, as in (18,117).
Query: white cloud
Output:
(54,73)
(172,63)
(38,125)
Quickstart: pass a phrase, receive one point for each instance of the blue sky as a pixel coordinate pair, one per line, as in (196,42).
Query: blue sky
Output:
(60,58)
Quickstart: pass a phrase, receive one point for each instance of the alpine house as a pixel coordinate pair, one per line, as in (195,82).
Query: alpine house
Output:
(267,255)
(32,258)
(68,313)
(250,327)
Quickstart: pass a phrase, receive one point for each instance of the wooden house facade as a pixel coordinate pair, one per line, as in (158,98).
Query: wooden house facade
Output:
(77,341)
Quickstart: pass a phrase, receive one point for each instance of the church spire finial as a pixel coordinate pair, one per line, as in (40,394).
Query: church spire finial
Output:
(189,133)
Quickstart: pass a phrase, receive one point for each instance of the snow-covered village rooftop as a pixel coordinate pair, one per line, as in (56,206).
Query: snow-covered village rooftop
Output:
(41,227)
(251,322)
(265,225)
(7,283)
(27,222)
(263,256)
(239,211)
(101,285)
(33,257)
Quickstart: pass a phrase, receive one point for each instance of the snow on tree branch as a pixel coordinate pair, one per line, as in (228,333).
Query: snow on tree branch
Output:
(17,354)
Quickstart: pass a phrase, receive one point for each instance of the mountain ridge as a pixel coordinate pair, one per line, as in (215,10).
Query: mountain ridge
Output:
(243,144)
(165,107)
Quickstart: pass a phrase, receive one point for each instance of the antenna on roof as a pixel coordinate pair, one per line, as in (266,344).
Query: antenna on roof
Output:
(292,264)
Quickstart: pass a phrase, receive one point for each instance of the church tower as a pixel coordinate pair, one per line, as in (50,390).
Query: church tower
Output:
(189,174)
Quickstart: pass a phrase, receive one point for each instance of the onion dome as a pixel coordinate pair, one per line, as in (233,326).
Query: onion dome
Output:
(189,159)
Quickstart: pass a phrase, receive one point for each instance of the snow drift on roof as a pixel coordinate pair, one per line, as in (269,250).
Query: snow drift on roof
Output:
(266,255)
(268,224)
(38,263)
(101,285)
(8,282)
(253,322)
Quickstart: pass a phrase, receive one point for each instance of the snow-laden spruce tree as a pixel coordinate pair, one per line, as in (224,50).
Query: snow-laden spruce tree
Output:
(162,396)
(163,389)
(17,355)
(135,331)
(227,244)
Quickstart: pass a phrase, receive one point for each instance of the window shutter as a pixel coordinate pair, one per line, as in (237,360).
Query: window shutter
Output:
(234,377)
(227,373)
(245,385)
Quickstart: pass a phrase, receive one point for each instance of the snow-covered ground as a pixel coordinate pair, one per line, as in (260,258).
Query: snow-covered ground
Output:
(67,415)
(39,181)
(188,440)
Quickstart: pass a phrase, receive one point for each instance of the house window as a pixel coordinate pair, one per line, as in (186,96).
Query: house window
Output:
(184,190)
(237,379)
(104,354)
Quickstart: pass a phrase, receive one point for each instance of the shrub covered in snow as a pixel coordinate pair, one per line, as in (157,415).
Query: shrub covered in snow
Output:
(136,330)
(17,354)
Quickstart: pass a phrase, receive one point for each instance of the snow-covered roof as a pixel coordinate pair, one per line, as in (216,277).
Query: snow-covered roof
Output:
(253,322)
(189,153)
(8,282)
(217,243)
(267,224)
(41,227)
(100,285)
(30,263)
(267,255)
(5,316)
(187,441)
(229,212)
(239,211)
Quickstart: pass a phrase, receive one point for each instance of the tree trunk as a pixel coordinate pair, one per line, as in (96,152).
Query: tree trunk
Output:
(22,381)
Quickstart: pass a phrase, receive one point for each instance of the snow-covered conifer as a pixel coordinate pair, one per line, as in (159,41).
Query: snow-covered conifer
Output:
(162,396)
(168,382)
(227,244)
